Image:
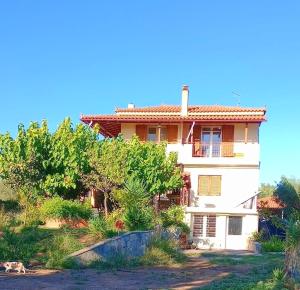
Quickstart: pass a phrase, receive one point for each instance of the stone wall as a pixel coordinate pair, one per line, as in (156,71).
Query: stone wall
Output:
(131,245)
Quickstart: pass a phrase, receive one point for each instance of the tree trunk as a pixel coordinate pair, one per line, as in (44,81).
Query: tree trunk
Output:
(105,204)
(292,263)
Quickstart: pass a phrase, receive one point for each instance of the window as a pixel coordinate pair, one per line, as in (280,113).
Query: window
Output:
(204,226)
(211,141)
(235,225)
(209,185)
(153,134)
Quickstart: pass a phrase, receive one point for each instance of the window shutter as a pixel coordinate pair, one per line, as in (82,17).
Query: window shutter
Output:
(211,226)
(215,185)
(198,226)
(141,132)
(227,140)
(172,133)
(197,140)
(185,131)
(203,184)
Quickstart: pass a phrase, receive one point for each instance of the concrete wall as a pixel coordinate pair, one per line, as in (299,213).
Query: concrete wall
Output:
(131,244)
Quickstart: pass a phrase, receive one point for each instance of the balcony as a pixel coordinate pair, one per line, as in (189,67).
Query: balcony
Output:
(207,149)
(233,153)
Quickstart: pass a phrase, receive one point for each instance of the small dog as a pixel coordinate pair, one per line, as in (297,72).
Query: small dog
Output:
(17,266)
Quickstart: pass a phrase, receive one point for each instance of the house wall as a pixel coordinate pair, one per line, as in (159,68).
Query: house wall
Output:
(237,185)
(222,240)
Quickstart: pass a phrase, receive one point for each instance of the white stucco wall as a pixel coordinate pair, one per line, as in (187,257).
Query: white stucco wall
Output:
(237,185)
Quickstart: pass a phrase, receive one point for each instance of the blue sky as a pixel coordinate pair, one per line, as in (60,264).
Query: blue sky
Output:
(63,58)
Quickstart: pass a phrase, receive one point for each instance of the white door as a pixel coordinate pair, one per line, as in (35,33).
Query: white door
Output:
(235,239)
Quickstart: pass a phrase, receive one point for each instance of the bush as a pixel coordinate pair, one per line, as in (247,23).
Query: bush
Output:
(58,208)
(162,252)
(174,216)
(20,246)
(100,228)
(135,201)
(60,247)
(139,219)
(273,245)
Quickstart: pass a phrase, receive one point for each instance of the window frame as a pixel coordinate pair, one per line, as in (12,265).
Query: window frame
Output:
(232,232)
(209,145)
(160,139)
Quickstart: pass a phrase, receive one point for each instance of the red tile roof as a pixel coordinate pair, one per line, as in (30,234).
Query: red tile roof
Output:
(111,124)
(270,202)
(191,109)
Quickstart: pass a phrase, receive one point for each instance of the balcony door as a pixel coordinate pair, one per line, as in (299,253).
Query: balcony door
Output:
(211,141)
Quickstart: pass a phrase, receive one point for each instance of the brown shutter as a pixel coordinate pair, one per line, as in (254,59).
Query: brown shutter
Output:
(203,184)
(198,225)
(215,185)
(141,132)
(197,141)
(185,131)
(172,133)
(227,140)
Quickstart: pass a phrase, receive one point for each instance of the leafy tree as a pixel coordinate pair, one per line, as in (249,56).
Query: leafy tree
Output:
(286,192)
(69,159)
(149,163)
(22,159)
(38,163)
(107,161)
(266,189)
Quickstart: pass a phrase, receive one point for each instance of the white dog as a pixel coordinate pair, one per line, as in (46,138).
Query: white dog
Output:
(17,266)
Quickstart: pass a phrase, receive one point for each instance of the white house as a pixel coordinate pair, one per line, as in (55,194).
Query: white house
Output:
(218,148)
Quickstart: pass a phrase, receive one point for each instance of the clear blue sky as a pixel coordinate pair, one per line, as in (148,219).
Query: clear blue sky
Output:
(63,58)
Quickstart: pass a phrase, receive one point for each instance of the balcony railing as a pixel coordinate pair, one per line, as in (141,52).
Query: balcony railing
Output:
(208,149)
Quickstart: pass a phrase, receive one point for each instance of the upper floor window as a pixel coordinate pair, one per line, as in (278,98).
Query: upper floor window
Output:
(156,134)
(209,184)
(211,141)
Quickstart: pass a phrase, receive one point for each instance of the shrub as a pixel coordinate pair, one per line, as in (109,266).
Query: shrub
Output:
(100,228)
(278,274)
(135,201)
(58,208)
(162,252)
(59,249)
(139,219)
(273,245)
(20,246)
(174,216)
(10,205)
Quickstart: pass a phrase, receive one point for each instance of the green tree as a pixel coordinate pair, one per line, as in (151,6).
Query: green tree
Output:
(149,163)
(69,159)
(286,191)
(38,163)
(107,162)
(266,189)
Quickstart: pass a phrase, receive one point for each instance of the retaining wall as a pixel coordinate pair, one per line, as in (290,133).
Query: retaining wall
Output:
(131,245)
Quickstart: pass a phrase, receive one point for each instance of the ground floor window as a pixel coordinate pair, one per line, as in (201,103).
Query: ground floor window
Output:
(235,224)
(204,226)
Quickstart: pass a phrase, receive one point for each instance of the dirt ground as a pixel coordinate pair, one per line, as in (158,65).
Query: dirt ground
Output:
(195,273)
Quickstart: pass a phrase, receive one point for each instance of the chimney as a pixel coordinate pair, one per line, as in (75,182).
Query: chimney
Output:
(130,106)
(184,100)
